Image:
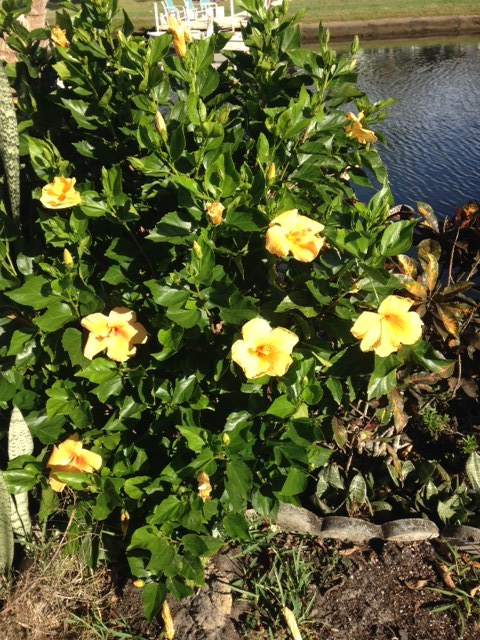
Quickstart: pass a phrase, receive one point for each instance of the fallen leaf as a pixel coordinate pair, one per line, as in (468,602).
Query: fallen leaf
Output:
(419,584)
(445,575)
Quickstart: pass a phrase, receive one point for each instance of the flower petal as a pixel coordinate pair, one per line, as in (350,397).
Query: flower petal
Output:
(282,340)
(64,453)
(394,305)
(88,461)
(94,345)
(96,323)
(253,366)
(255,330)
(276,241)
(368,329)
(119,349)
(119,316)
(56,485)
(279,363)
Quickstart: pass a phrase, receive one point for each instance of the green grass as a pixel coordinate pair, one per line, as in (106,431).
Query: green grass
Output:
(141,11)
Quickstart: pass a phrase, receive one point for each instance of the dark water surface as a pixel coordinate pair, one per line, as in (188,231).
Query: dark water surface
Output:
(433,132)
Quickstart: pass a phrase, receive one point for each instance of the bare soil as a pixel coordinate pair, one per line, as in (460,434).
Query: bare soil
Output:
(379,592)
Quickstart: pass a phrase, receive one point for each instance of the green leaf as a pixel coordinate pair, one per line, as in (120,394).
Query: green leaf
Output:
(236,526)
(20,480)
(384,376)
(186,318)
(153,595)
(238,484)
(295,482)
(72,343)
(163,554)
(36,293)
(397,238)
(281,407)
(55,317)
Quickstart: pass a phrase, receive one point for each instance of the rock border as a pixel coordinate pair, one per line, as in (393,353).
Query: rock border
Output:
(300,520)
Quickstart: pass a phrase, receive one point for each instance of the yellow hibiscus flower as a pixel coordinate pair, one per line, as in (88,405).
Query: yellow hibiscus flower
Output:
(215,212)
(117,333)
(393,325)
(296,234)
(204,486)
(60,194)
(356,130)
(71,456)
(181,35)
(263,350)
(59,36)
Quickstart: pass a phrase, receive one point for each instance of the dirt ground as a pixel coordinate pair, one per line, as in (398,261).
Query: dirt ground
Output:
(379,592)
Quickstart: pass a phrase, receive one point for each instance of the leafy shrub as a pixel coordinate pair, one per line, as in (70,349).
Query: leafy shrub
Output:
(163,211)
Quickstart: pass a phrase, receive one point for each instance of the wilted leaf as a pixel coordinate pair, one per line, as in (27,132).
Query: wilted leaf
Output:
(429,217)
(400,418)
(453,289)
(430,272)
(409,265)
(448,318)
(412,286)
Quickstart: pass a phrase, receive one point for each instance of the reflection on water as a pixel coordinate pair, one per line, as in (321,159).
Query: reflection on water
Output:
(433,151)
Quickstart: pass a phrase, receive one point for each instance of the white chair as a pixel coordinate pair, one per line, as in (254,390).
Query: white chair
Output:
(170,9)
(194,12)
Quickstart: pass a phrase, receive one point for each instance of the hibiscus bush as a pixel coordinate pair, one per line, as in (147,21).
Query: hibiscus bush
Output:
(197,304)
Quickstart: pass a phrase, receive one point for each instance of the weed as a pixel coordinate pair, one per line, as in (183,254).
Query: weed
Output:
(433,422)
(460,574)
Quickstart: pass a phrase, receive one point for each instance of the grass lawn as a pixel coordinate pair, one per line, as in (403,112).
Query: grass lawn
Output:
(141,11)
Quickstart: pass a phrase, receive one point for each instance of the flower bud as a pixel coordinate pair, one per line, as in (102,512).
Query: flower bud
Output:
(67,258)
(226,439)
(160,125)
(139,584)
(168,628)
(198,249)
(271,173)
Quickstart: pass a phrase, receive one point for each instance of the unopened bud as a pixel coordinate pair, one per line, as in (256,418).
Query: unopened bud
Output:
(226,439)
(139,584)
(160,125)
(168,628)
(67,258)
(271,173)
(198,249)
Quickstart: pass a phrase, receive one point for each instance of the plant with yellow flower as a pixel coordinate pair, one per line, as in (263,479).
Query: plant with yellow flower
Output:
(293,233)
(357,131)
(118,333)
(215,212)
(70,456)
(264,351)
(59,36)
(60,194)
(181,35)
(391,326)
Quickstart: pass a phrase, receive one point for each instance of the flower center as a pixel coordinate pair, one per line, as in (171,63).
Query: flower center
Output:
(263,350)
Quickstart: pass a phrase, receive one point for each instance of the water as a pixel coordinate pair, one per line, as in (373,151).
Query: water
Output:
(433,132)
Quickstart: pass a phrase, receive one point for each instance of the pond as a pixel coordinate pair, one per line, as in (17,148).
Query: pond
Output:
(433,151)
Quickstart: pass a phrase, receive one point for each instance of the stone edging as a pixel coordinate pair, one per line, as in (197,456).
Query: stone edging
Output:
(299,520)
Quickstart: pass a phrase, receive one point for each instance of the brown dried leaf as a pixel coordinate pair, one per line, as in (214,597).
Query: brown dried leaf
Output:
(397,465)
(419,584)
(348,552)
(445,575)
(474,591)
(400,418)
(453,289)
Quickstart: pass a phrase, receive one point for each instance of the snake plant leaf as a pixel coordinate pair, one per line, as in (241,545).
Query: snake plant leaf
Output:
(9,146)
(20,443)
(6,531)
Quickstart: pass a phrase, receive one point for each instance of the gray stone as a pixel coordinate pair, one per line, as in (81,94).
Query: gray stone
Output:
(298,520)
(410,530)
(352,529)
(465,538)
